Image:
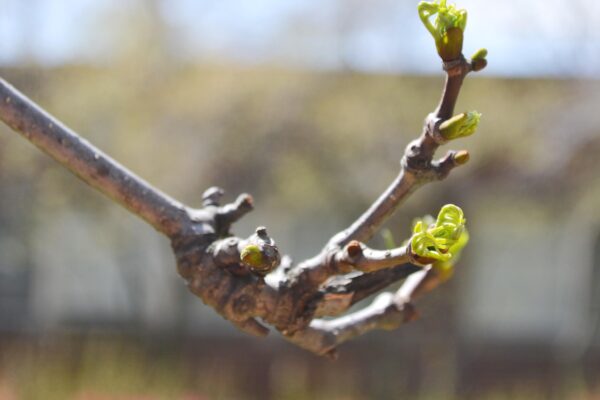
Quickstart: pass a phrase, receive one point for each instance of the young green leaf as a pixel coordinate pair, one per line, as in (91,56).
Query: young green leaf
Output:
(447,29)
(437,240)
(461,125)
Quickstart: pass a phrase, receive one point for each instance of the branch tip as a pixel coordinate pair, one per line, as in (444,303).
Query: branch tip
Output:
(447,29)
(248,200)
(462,157)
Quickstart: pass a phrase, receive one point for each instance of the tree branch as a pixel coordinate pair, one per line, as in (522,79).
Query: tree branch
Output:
(228,273)
(358,256)
(388,311)
(456,71)
(417,166)
(362,285)
(94,167)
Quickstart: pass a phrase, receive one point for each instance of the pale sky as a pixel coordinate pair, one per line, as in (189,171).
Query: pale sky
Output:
(532,38)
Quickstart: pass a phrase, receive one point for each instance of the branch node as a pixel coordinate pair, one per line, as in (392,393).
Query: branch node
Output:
(454,67)
(433,130)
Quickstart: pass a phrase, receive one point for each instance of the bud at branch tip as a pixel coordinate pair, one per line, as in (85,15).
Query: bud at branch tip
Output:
(479,54)
(461,157)
(447,29)
(439,241)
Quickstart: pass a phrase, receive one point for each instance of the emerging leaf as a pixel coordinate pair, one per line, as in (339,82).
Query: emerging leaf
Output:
(446,268)
(460,125)
(437,241)
(448,27)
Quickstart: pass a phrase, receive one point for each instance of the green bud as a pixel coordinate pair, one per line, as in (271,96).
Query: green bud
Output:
(461,157)
(479,54)
(438,241)
(260,254)
(252,256)
(447,29)
(460,125)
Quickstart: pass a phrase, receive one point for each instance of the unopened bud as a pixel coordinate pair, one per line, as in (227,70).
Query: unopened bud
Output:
(252,256)
(478,60)
(462,157)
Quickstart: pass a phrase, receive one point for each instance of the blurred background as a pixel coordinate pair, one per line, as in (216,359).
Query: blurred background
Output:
(308,106)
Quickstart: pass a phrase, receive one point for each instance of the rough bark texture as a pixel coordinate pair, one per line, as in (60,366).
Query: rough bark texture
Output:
(217,266)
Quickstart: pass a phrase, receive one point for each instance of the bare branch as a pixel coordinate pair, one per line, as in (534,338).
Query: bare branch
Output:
(360,285)
(356,255)
(388,311)
(367,224)
(94,167)
(456,71)
(232,212)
